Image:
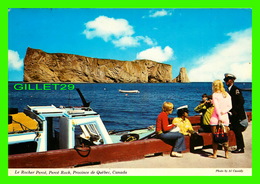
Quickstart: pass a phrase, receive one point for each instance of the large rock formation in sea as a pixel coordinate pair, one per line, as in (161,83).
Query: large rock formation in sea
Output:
(40,66)
(182,77)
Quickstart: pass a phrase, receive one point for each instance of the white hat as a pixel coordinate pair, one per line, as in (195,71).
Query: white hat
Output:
(182,107)
(229,76)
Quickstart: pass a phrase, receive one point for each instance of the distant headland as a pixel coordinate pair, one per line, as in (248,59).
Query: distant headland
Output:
(40,66)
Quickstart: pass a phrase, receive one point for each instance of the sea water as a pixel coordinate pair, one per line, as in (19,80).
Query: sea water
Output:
(119,111)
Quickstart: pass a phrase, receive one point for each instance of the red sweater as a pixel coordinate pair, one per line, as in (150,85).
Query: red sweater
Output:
(162,123)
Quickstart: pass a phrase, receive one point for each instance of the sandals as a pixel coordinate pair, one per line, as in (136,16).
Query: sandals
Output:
(215,157)
(212,156)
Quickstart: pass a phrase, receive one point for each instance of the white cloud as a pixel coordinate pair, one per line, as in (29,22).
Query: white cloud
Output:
(129,41)
(233,56)
(126,41)
(108,28)
(160,13)
(14,60)
(118,31)
(147,40)
(157,54)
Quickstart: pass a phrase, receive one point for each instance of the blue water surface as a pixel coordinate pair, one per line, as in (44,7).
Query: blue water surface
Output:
(120,111)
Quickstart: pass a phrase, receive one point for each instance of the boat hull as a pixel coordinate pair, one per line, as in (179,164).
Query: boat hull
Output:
(68,158)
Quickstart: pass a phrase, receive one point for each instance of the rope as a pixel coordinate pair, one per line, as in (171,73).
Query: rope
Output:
(83,149)
(30,130)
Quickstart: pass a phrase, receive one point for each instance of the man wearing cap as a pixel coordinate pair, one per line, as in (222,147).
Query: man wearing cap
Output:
(237,111)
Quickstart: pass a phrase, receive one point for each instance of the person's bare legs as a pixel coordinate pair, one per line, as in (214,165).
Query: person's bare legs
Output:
(226,144)
(214,145)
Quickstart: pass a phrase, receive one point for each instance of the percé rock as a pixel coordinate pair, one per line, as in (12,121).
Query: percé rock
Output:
(40,66)
(182,77)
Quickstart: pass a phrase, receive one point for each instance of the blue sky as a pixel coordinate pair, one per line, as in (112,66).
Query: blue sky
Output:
(208,42)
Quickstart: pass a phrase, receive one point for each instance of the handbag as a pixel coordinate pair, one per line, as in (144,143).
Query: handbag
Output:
(220,136)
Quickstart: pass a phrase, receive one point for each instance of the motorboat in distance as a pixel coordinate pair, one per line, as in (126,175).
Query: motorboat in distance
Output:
(129,91)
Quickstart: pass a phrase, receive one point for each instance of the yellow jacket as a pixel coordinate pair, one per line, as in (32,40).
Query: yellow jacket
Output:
(184,125)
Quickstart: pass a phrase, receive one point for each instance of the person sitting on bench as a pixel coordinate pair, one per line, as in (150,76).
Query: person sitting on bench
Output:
(183,122)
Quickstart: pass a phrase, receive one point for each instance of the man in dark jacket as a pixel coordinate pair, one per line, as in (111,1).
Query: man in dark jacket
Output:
(237,111)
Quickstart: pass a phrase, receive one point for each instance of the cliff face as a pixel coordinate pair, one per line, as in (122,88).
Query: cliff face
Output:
(40,66)
(182,77)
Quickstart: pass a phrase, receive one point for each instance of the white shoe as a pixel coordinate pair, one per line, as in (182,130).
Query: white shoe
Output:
(175,154)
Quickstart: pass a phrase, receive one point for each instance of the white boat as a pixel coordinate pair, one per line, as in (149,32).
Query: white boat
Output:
(76,125)
(129,91)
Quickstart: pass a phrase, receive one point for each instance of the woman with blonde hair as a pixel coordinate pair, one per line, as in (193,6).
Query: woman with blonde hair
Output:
(222,103)
(163,130)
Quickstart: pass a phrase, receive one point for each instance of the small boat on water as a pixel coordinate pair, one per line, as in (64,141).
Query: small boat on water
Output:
(129,91)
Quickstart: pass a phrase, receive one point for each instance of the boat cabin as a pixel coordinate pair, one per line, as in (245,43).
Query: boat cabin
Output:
(44,128)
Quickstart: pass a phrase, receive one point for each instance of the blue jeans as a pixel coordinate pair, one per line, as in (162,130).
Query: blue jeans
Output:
(175,139)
